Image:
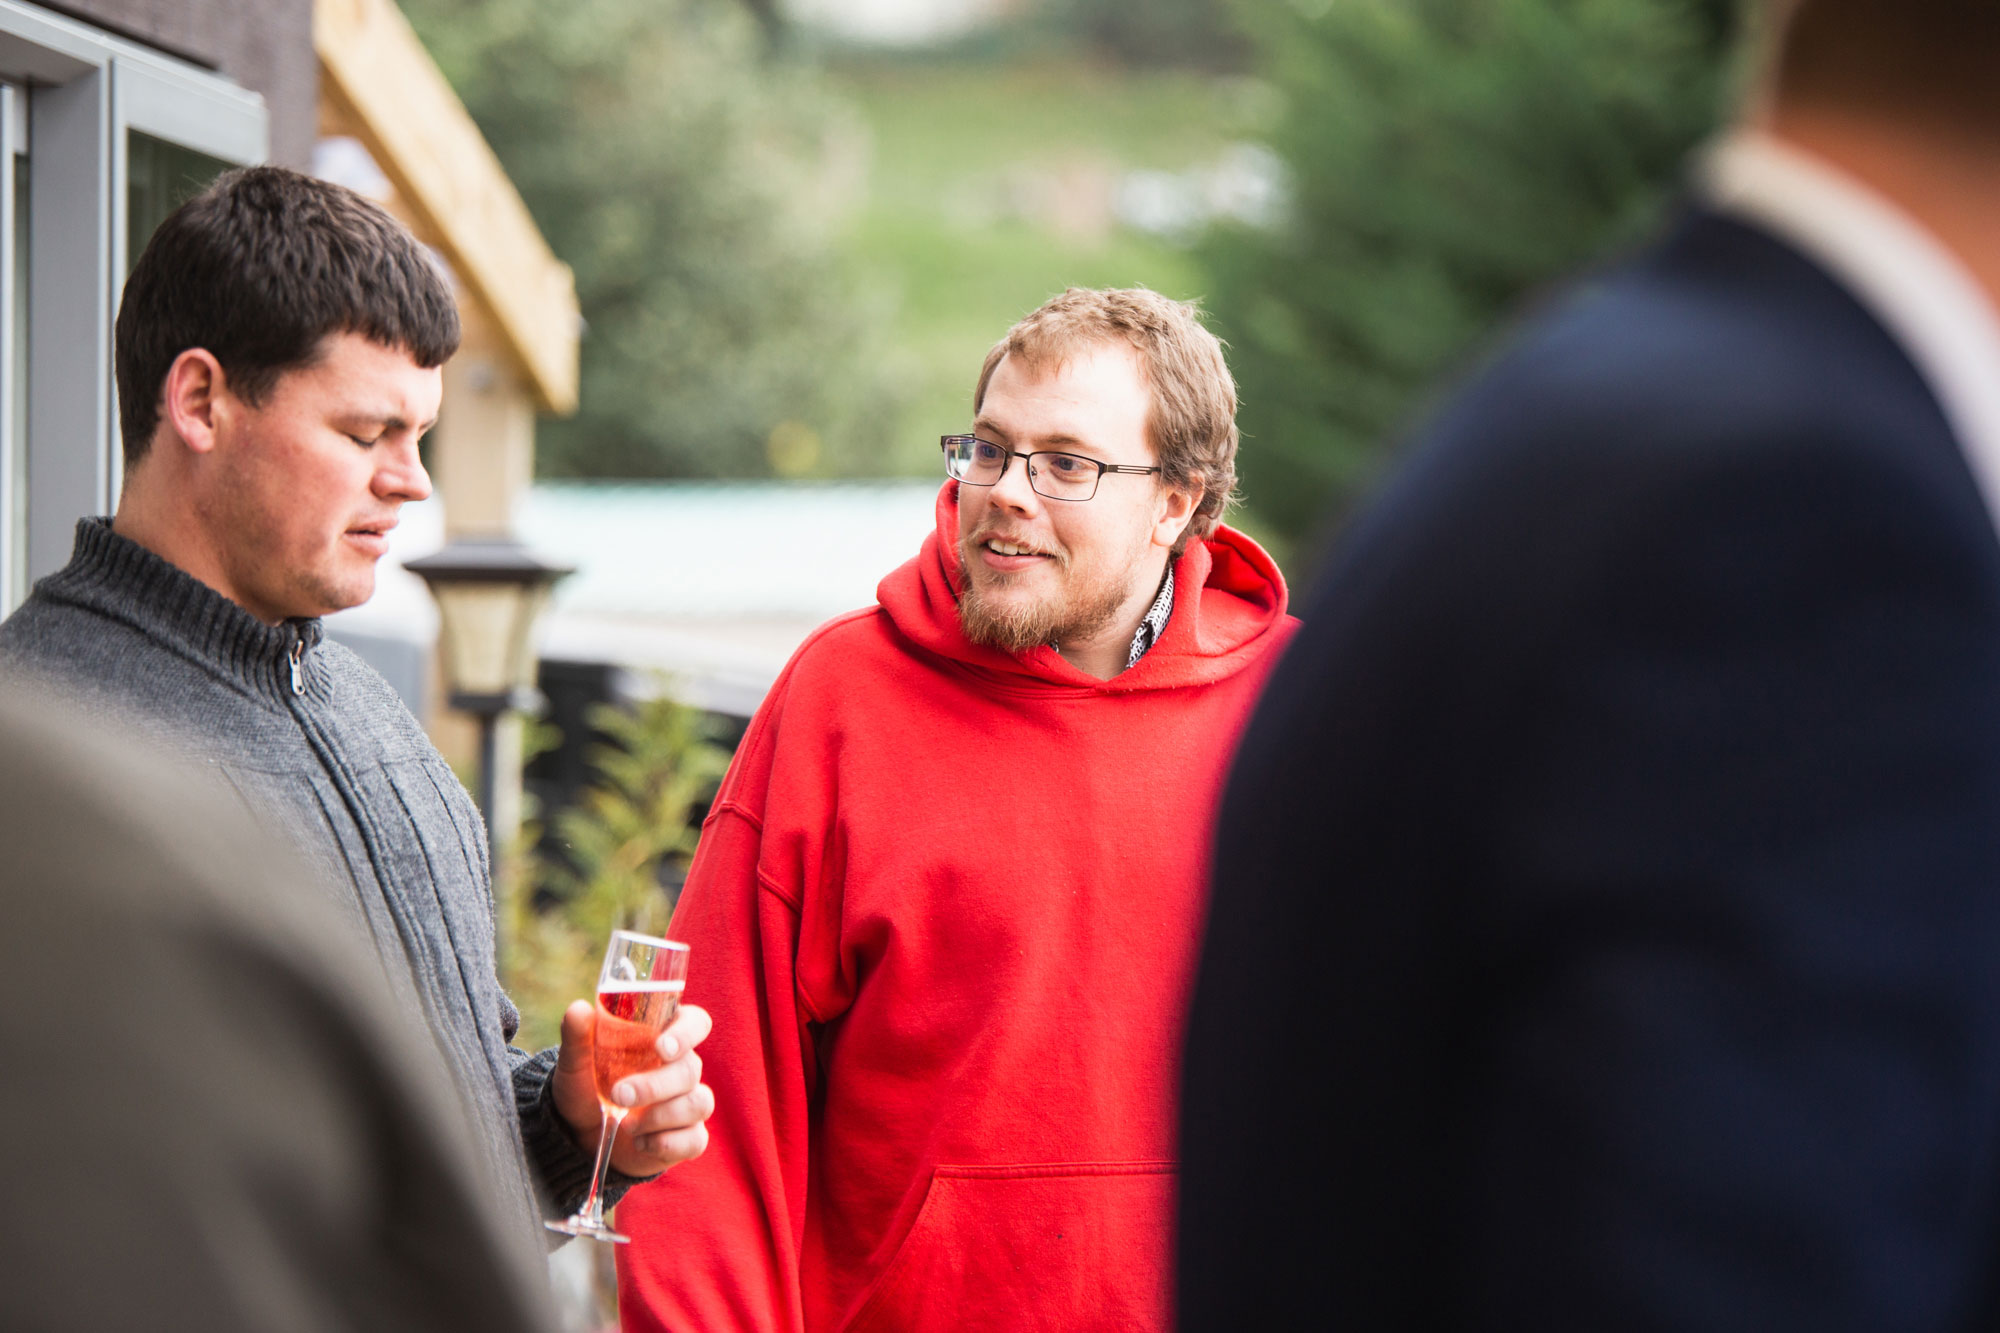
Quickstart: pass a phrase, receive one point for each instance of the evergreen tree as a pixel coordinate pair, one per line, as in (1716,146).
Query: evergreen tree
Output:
(1448,157)
(693,181)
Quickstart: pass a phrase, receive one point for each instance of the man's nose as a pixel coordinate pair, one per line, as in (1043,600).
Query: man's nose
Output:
(402,476)
(1015,489)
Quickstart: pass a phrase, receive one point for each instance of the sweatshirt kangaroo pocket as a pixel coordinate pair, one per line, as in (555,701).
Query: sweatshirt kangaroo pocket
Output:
(1073,1246)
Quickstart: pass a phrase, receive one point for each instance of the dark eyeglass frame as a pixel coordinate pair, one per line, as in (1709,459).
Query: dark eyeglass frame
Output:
(945,442)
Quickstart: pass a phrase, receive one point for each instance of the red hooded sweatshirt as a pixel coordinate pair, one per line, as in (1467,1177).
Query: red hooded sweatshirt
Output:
(945,911)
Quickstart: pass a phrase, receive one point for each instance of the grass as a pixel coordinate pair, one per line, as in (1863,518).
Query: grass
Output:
(988,192)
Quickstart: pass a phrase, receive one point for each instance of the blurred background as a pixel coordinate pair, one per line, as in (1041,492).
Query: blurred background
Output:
(729,267)
(797,225)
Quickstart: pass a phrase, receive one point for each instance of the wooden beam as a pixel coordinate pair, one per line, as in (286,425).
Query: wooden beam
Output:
(381,82)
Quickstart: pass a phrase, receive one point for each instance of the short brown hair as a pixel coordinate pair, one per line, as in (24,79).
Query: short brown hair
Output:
(257,270)
(1192,424)
(1933,58)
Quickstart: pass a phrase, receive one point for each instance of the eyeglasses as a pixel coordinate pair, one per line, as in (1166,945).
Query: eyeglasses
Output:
(1053,475)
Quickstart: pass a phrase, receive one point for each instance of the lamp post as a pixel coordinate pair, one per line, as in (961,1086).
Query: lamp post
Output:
(490,592)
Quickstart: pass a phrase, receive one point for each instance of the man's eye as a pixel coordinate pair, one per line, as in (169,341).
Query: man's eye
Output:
(986,453)
(1067,465)
(364,443)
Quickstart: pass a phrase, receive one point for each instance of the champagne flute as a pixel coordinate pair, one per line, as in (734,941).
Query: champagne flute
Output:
(638,993)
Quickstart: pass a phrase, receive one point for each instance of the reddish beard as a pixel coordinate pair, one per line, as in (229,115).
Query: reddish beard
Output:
(1074,610)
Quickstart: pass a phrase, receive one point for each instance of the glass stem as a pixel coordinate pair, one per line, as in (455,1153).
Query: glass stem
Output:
(607,1134)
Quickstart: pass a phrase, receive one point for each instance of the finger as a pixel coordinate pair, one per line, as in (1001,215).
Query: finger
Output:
(674,1113)
(657,1085)
(673,1147)
(579,1022)
(688,1030)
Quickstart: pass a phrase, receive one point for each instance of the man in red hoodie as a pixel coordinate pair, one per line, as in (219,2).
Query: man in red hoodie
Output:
(949,895)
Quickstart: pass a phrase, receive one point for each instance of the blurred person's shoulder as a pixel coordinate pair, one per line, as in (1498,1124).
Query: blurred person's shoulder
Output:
(91,789)
(1728,326)
(1715,392)
(1717,347)
(158,943)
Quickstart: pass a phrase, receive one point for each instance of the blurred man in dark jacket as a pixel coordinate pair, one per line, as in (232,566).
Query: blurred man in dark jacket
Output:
(212,1118)
(1607,923)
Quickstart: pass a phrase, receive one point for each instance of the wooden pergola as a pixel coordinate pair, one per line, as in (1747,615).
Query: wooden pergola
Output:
(517,300)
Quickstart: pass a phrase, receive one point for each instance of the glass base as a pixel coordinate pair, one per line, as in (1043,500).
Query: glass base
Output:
(583,1226)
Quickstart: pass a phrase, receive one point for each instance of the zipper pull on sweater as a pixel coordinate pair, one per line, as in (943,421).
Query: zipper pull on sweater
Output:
(298,655)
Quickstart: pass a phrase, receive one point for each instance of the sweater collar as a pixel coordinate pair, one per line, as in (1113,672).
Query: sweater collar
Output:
(118,578)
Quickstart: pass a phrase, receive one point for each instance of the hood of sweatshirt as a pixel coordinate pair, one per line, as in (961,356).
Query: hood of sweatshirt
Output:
(1229,611)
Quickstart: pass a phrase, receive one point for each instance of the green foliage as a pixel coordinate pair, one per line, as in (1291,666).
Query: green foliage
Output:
(1448,158)
(972,218)
(1115,35)
(694,184)
(657,767)
(1190,34)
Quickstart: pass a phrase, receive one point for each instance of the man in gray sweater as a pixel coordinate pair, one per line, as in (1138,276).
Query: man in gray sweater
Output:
(278,351)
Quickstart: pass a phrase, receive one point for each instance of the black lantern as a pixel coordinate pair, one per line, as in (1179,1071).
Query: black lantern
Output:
(490,592)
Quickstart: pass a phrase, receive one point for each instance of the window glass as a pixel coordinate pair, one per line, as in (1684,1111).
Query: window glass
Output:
(159,177)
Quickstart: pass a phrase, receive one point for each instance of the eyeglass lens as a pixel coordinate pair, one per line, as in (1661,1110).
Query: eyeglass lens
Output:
(1055,475)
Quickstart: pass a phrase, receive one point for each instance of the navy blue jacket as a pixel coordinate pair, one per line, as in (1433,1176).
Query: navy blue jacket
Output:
(1606,924)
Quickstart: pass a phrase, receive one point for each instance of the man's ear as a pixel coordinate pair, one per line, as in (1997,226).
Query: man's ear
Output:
(192,399)
(1177,508)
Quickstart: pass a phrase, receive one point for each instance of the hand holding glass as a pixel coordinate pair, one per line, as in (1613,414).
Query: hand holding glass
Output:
(638,993)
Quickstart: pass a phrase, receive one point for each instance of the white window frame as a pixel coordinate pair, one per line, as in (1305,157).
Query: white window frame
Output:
(13,427)
(87,90)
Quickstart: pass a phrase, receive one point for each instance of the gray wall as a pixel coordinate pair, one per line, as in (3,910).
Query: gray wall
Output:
(264,45)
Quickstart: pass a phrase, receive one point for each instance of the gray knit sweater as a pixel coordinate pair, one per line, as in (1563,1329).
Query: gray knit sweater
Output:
(317,744)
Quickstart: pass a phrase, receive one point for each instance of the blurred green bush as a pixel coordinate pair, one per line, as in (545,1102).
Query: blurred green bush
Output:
(1447,158)
(694,181)
(656,769)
